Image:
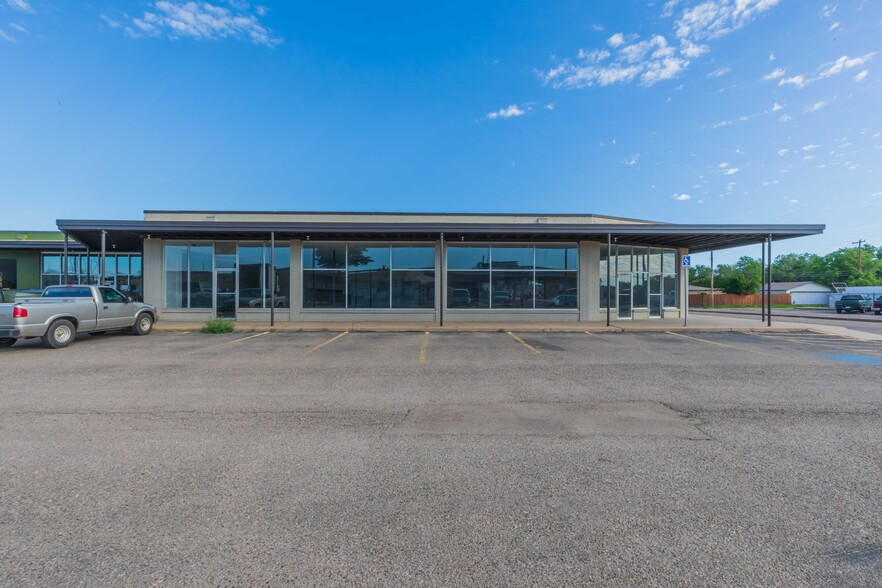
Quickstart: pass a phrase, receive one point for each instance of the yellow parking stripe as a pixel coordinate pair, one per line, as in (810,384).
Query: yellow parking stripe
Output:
(424,348)
(718,344)
(246,338)
(524,343)
(328,342)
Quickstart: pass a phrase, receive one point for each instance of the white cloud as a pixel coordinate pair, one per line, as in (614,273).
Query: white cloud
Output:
(631,161)
(597,27)
(21,5)
(774,75)
(809,147)
(114,24)
(785,118)
(783,152)
(731,171)
(720,71)
(550,106)
(6,37)
(842,64)
(616,40)
(835,26)
(509,112)
(794,201)
(656,59)
(861,76)
(828,10)
(17,27)
(776,107)
(771,56)
(681,197)
(668,8)
(202,21)
(714,18)
(691,50)
(798,81)
(816,106)
(724,164)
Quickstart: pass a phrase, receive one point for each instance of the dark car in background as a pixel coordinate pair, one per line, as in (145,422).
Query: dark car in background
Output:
(877,305)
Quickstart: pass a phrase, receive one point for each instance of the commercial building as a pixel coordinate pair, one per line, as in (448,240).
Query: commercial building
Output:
(32,260)
(433,268)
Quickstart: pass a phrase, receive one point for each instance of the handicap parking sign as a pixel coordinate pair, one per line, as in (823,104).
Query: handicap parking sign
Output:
(687,261)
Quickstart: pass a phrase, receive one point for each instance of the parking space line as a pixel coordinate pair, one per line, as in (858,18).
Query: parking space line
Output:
(246,338)
(718,344)
(424,348)
(525,344)
(328,342)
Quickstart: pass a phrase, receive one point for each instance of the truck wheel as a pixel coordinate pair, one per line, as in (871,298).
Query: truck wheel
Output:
(143,324)
(838,311)
(60,334)
(7,342)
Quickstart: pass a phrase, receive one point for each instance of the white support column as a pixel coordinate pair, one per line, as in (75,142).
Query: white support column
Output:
(296,285)
(440,280)
(589,280)
(152,273)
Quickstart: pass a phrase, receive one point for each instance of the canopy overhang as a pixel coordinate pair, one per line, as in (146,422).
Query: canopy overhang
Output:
(128,235)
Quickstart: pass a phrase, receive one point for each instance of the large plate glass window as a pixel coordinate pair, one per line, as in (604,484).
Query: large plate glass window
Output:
(512,276)
(368,276)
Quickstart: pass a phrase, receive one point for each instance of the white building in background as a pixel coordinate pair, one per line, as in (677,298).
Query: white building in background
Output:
(803,292)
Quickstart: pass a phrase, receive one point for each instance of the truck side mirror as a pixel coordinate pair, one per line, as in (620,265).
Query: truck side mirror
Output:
(128,299)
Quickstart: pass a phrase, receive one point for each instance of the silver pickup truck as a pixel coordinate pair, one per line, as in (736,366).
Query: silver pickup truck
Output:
(64,311)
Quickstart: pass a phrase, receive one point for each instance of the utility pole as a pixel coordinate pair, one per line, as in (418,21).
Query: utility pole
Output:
(860,244)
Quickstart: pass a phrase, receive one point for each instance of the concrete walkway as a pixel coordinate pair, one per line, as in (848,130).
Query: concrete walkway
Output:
(700,322)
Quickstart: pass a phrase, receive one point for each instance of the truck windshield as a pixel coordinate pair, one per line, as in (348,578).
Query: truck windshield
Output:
(72,292)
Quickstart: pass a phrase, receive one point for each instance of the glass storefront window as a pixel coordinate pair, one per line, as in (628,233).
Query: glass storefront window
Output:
(468,257)
(646,279)
(468,289)
(511,289)
(251,287)
(413,289)
(565,258)
(413,257)
(325,256)
(557,289)
(511,257)
(176,276)
(373,276)
(324,289)
(52,264)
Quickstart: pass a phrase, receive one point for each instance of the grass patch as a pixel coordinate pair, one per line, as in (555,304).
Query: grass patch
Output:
(218,325)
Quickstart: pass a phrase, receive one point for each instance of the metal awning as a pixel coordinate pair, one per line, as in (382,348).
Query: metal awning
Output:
(127,235)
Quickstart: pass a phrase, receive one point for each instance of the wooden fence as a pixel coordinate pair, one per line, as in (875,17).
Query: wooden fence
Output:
(704,300)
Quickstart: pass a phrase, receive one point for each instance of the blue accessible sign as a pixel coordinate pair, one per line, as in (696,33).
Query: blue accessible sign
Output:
(687,261)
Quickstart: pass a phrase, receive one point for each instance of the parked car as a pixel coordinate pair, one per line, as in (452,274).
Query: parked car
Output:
(459,297)
(565,300)
(62,312)
(853,303)
(877,305)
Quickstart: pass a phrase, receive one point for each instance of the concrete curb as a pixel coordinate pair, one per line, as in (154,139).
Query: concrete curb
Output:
(788,315)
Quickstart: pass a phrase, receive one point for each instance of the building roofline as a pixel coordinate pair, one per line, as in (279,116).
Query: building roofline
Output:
(399,213)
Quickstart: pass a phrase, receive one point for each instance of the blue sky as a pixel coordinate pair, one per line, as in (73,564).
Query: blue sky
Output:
(734,111)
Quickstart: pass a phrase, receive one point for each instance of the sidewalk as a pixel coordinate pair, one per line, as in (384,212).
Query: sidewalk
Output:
(696,323)
(821,314)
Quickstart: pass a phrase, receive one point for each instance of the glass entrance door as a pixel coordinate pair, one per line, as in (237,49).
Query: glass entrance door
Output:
(624,296)
(225,293)
(655,296)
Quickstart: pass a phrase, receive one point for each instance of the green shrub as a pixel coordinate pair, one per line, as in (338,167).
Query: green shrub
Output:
(218,325)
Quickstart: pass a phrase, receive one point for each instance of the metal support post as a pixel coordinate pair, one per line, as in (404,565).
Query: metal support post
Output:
(608,275)
(272,278)
(65,260)
(712,279)
(441,282)
(769,283)
(103,255)
(685,271)
(763,283)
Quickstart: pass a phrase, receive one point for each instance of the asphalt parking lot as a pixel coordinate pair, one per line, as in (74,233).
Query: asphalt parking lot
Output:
(496,458)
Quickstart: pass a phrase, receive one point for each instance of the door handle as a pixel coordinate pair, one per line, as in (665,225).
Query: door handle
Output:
(105,308)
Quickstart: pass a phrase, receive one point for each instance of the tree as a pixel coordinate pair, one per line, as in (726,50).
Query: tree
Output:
(700,275)
(745,277)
